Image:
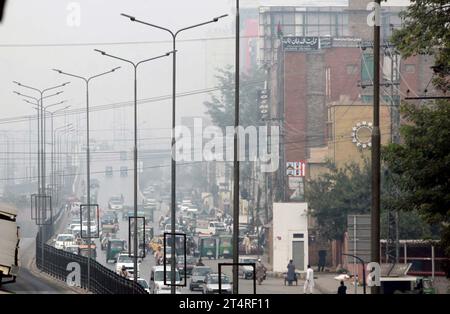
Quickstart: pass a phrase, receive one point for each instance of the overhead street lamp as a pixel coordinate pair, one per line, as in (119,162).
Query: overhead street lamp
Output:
(63,130)
(41,93)
(52,177)
(135,66)
(39,130)
(88,172)
(52,115)
(174,35)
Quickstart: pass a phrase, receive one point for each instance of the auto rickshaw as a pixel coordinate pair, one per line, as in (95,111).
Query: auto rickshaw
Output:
(114,247)
(225,246)
(156,243)
(208,246)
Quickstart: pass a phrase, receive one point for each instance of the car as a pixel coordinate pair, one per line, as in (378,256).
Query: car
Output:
(63,240)
(71,248)
(157,285)
(198,277)
(115,203)
(190,264)
(125,260)
(109,171)
(211,284)
(216,228)
(246,271)
(143,284)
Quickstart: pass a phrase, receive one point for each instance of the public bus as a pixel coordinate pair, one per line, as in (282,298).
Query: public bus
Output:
(9,244)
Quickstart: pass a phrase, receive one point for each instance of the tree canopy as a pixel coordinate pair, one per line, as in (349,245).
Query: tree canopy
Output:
(426,30)
(221,107)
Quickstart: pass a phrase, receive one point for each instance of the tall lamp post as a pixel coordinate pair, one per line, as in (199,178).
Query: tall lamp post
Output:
(63,130)
(88,172)
(38,104)
(173,163)
(42,92)
(51,114)
(135,67)
(375,212)
(236,159)
(52,158)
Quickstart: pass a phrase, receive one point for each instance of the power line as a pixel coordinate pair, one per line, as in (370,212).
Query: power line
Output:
(35,45)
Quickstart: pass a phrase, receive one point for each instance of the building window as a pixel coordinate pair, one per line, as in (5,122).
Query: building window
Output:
(351,69)
(298,236)
(328,82)
(410,68)
(367,67)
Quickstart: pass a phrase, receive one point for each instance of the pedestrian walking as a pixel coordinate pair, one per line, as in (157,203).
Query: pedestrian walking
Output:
(291,276)
(309,282)
(342,288)
(247,244)
(322,260)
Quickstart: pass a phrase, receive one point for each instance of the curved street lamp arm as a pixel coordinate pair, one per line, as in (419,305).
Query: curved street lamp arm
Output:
(60,85)
(133,19)
(31,97)
(200,24)
(26,86)
(69,74)
(118,58)
(101,74)
(154,58)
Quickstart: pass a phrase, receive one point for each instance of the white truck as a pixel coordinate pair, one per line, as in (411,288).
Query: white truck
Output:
(9,244)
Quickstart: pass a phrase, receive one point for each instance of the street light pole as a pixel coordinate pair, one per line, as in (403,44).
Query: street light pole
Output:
(375,213)
(41,92)
(38,104)
(88,174)
(236,160)
(135,67)
(173,141)
(52,160)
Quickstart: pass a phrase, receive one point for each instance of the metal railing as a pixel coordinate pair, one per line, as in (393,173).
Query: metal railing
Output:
(102,279)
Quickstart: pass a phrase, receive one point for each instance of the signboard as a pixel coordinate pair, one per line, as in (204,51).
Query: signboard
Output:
(358,227)
(296,168)
(306,43)
(297,184)
(263,101)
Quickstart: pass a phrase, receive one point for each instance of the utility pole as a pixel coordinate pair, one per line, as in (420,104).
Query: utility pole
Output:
(236,160)
(375,212)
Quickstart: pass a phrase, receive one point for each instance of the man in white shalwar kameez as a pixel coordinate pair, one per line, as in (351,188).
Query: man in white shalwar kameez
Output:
(309,282)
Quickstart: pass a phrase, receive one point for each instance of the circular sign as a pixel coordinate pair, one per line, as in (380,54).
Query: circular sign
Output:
(361,134)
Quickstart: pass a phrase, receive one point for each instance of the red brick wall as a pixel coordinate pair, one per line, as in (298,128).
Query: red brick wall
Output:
(295,105)
(341,82)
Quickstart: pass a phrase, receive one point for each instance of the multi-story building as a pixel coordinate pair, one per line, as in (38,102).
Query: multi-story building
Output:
(314,57)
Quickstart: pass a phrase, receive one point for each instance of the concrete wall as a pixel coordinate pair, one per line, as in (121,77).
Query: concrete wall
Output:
(288,219)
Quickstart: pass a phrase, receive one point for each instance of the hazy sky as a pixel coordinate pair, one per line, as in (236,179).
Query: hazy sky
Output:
(46,22)
(29,26)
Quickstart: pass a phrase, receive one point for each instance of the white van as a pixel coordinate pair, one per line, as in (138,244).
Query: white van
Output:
(9,243)
(157,280)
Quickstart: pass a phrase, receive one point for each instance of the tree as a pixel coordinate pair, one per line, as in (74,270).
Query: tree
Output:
(426,31)
(346,191)
(337,193)
(422,161)
(221,108)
